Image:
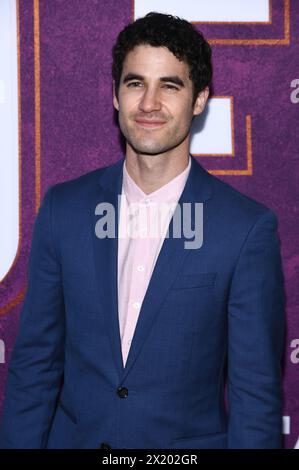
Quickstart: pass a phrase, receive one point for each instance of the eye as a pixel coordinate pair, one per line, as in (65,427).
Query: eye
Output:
(134,84)
(169,86)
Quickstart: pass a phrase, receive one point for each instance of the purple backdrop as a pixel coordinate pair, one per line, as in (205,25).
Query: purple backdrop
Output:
(77,132)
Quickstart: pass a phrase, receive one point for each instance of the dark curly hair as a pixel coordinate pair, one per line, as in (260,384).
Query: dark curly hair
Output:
(178,35)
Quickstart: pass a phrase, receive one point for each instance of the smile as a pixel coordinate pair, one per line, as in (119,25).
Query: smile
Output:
(150,124)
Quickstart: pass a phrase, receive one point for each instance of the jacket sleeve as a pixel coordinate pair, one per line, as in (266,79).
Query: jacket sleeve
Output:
(37,361)
(256,329)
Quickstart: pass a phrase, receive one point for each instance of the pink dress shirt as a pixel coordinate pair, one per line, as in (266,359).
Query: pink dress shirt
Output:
(143,224)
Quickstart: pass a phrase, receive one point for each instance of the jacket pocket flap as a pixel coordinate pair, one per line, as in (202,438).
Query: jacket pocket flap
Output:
(185,281)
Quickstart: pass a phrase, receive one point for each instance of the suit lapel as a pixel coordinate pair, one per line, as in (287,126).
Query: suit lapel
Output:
(198,188)
(105,257)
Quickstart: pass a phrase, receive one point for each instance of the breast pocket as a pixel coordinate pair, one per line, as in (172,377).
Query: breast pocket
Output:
(194,280)
(191,304)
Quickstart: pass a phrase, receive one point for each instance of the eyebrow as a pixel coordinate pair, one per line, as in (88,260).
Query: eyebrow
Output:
(169,79)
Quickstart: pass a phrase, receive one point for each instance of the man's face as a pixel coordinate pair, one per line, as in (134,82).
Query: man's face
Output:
(155,101)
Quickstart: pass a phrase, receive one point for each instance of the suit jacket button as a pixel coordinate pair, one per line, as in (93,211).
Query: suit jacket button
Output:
(122,392)
(104,445)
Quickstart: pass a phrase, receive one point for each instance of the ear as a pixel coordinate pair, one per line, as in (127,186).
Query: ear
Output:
(201,101)
(115,100)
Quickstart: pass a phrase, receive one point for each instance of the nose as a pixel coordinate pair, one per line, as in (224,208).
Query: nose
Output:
(150,101)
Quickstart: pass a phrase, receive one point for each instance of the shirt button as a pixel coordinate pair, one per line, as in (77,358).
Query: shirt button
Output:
(137,305)
(140,268)
(129,342)
(122,392)
(147,201)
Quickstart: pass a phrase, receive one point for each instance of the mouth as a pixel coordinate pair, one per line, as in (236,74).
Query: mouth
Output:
(149,124)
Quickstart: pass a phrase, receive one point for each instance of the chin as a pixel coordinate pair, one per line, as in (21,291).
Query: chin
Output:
(148,150)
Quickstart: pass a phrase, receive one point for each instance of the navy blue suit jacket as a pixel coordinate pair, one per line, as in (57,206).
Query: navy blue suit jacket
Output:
(209,315)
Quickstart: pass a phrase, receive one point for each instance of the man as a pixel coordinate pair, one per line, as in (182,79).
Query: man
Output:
(128,341)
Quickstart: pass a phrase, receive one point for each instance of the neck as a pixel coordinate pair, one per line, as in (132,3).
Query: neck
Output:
(151,172)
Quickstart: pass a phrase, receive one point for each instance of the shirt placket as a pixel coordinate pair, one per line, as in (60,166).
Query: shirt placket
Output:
(139,281)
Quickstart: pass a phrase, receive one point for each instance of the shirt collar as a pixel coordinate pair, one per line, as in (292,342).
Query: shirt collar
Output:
(169,192)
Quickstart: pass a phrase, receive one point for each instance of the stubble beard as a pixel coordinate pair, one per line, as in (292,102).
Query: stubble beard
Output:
(143,143)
